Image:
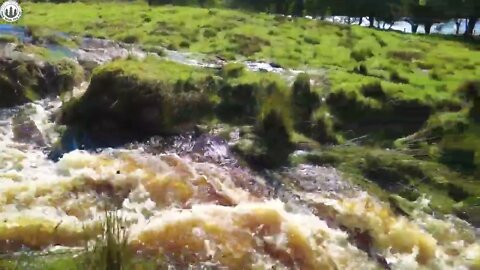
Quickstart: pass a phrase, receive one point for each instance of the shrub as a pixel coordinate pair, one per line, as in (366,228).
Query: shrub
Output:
(406,55)
(184,44)
(374,90)
(130,38)
(209,33)
(361,55)
(396,78)
(311,40)
(361,69)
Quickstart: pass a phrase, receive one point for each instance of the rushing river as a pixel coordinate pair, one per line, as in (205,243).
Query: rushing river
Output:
(189,200)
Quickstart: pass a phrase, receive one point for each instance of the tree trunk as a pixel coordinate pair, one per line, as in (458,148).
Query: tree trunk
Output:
(414,28)
(371,20)
(299,8)
(360,21)
(458,23)
(472,21)
(428,28)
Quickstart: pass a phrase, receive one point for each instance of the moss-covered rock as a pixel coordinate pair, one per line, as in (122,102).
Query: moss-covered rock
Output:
(23,80)
(268,145)
(469,210)
(141,98)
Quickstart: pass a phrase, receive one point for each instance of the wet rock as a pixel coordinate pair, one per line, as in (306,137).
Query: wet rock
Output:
(200,147)
(311,178)
(26,131)
(469,210)
(275,65)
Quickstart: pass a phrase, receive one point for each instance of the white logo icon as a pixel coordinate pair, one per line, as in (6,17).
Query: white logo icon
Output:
(10,11)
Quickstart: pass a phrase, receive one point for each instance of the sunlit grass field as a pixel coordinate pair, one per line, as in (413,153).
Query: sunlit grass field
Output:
(423,67)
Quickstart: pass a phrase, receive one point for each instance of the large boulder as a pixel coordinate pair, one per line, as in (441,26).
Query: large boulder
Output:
(136,99)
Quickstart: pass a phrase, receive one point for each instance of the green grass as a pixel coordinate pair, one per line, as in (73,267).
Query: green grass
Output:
(291,42)
(8,39)
(425,68)
(151,69)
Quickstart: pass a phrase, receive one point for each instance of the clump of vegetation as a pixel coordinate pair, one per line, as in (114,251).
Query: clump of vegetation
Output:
(361,55)
(269,144)
(130,38)
(109,250)
(24,80)
(304,101)
(247,45)
(405,55)
(450,137)
(45,36)
(368,107)
(245,94)
(8,39)
(154,49)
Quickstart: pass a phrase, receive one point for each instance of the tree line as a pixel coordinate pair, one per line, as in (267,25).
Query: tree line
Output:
(415,12)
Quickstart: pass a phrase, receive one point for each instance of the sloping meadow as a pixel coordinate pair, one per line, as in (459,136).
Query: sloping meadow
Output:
(398,114)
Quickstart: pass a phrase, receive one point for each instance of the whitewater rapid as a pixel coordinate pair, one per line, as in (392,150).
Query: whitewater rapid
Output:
(201,212)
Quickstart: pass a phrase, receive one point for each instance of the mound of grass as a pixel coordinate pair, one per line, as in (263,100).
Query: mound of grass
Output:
(451,137)
(364,105)
(245,95)
(148,97)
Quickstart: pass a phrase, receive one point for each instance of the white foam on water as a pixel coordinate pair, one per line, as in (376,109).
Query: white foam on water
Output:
(178,207)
